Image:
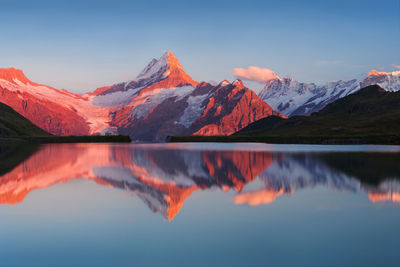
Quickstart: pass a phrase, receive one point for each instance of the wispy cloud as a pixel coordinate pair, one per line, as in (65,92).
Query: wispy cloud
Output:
(254,73)
(396,66)
(322,63)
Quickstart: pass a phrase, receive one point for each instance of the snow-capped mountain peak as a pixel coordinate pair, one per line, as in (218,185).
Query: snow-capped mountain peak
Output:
(156,67)
(383,73)
(165,72)
(172,61)
(238,82)
(389,81)
(291,97)
(224,83)
(163,65)
(377,73)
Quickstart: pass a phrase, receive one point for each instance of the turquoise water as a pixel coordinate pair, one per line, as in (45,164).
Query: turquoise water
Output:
(200,205)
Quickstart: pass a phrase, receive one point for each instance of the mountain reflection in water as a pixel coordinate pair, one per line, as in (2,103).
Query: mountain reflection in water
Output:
(165,175)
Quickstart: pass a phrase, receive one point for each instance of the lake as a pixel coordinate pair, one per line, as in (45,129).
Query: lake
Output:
(204,204)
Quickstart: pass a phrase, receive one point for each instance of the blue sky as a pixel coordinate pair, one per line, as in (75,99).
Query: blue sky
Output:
(81,45)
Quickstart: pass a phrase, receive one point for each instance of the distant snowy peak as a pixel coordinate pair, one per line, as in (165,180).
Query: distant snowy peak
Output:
(224,83)
(235,83)
(238,82)
(390,81)
(13,75)
(375,73)
(291,97)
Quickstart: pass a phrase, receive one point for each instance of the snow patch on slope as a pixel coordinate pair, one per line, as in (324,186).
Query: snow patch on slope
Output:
(116,98)
(193,111)
(143,104)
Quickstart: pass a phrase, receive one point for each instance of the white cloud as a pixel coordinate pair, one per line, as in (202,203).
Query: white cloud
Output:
(254,73)
(396,66)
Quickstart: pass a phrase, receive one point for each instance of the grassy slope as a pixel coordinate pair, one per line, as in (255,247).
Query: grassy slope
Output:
(12,124)
(370,115)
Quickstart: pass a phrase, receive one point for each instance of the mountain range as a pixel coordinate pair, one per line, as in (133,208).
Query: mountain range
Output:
(163,100)
(291,97)
(371,115)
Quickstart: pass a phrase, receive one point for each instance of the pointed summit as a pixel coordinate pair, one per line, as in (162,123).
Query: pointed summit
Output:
(172,60)
(163,73)
(164,66)
(13,75)
(238,82)
(166,72)
(224,83)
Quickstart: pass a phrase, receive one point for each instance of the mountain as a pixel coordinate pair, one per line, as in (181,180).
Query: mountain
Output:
(55,111)
(162,101)
(390,81)
(13,124)
(291,97)
(371,111)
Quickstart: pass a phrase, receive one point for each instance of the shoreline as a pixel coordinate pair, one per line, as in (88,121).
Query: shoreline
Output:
(66,139)
(311,140)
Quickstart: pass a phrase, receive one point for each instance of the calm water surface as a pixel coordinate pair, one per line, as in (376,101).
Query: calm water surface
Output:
(199,205)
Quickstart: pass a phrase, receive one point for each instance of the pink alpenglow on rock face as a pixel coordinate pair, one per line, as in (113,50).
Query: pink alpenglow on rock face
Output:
(56,111)
(231,108)
(161,101)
